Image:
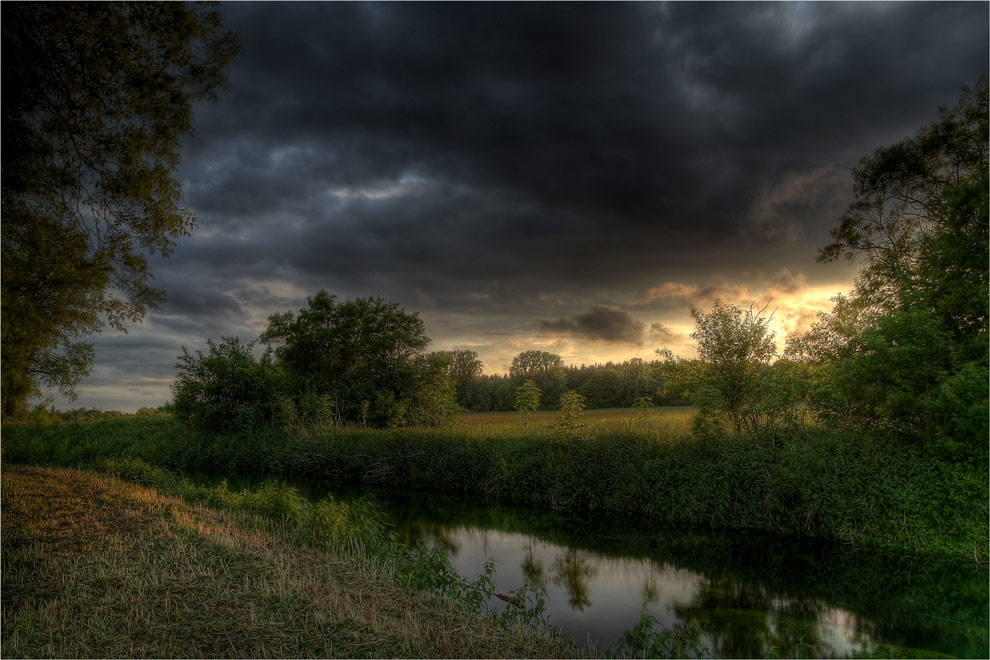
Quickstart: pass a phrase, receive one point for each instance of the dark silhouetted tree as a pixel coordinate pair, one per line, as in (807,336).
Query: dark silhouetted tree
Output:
(96,97)
(907,352)
(360,352)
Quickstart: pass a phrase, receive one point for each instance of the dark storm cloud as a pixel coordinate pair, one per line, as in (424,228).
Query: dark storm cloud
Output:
(660,332)
(609,324)
(374,138)
(195,300)
(505,163)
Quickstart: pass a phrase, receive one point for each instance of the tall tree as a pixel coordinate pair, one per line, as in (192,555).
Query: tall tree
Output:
(357,351)
(920,221)
(546,369)
(907,352)
(96,99)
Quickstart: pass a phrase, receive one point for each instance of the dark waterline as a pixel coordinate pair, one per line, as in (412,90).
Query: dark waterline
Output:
(749,593)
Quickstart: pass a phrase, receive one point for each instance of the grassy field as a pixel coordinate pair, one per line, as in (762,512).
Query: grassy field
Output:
(669,420)
(96,567)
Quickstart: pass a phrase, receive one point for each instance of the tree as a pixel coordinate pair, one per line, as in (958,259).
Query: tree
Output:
(96,98)
(733,346)
(643,404)
(357,351)
(434,398)
(604,388)
(907,352)
(527,399)
(226,388)
(567,425)
(463,367)
(545,369)
(920,220)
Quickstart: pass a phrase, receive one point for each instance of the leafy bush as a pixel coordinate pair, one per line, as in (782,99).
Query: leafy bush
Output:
(225,389)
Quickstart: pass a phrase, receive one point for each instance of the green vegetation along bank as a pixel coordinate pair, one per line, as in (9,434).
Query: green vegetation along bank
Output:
(856,490)
(97,567)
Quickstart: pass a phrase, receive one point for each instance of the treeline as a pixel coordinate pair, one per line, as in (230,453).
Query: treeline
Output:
(608,385)
(43,414)
(358,362)
(362,362)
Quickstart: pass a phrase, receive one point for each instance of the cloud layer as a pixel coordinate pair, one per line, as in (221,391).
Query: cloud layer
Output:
(566,177)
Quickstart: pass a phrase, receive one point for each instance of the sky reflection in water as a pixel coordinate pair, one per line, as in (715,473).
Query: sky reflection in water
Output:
(595,598)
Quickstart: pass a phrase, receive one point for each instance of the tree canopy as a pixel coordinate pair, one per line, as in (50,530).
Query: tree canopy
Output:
(362,353)
(545,369)
(920,220)
(907,351)
(96,99)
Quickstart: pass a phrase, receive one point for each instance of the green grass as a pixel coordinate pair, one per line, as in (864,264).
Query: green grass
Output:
(860,491)
(96,567)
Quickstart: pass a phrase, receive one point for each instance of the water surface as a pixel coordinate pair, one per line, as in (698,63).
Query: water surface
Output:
(750,593)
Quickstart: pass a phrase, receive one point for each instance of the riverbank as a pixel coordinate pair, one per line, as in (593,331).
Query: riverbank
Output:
(94,566)
(858,491)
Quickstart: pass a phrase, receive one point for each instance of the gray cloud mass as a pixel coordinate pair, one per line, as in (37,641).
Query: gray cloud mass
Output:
(496,166)
(601,323)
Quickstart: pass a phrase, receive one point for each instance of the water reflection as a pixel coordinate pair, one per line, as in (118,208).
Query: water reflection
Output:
(533,571)
(572,571)
(752,595)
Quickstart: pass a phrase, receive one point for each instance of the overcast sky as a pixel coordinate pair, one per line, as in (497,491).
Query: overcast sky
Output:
(569,178)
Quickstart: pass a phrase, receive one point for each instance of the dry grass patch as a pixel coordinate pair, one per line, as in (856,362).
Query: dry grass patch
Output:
(96,567)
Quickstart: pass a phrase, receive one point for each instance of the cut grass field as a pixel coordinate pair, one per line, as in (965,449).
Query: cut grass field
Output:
(97,567)
(672,420)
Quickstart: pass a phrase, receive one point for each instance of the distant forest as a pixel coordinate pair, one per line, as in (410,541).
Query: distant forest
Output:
(603,385)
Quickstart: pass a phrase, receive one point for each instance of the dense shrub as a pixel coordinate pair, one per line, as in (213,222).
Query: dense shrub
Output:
(225,389)
(857,489)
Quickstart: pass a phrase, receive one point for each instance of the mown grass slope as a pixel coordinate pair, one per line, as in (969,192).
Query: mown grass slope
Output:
(97,567)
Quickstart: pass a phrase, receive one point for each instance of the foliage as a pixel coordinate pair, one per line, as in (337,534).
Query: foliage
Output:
(645,641)
(463,368)
(434,398)
(737,383)
(643,404)
(226,389)
(906,353)
(361,353)
(96,99)
(566,426)
(545,369)
(857,489)
(920,219)
(527,399)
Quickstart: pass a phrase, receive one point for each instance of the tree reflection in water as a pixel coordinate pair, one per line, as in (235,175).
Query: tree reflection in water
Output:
(533,571)
(571,572)
(410,532)
(745,620)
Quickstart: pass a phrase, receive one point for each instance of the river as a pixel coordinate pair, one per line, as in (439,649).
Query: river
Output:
(750,593)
